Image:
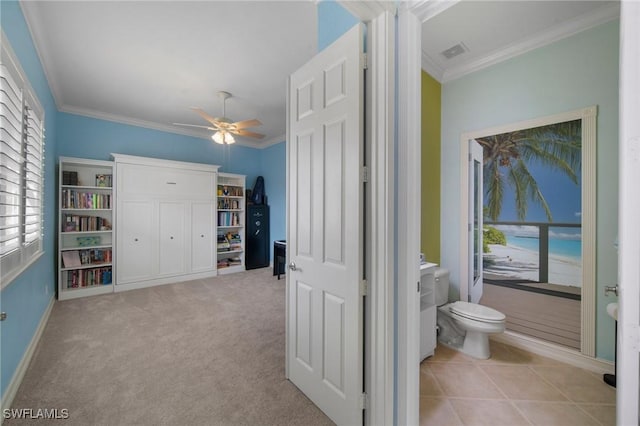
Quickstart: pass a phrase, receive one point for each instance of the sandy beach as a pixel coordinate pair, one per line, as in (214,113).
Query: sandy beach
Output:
(510,261)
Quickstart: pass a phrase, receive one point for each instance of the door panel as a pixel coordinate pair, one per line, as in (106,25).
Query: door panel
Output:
(202,255)
(171,238)
(136,243)
(325,154)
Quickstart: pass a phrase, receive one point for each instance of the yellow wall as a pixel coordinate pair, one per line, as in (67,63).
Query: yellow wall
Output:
(430,224)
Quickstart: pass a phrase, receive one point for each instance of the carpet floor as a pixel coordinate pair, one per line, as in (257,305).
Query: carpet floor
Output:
(203,352)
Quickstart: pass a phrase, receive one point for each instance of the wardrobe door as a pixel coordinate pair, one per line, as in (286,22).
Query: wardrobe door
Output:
(202,231)
(171,237)
(135,241)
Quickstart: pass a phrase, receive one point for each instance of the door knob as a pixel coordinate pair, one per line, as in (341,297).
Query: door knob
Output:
(610,289)
(292,266)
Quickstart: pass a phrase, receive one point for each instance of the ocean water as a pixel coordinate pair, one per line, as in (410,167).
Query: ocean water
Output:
(557,246)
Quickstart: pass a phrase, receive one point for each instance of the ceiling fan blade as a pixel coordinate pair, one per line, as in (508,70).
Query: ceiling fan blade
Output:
(246,123)
(194,125)
(206,116)
(247,133)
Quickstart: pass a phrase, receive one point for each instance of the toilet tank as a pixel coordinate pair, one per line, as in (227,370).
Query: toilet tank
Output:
(441,278)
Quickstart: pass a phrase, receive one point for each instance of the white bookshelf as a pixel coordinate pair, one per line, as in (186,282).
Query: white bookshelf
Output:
(230,223)
(86,250)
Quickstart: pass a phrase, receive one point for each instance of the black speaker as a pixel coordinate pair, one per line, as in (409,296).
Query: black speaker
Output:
(258,240)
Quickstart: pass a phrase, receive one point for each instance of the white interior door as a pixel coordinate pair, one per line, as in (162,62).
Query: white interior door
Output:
(325,229)
(475,221)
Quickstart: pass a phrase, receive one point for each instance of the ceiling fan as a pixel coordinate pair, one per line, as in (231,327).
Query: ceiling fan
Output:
(224,128)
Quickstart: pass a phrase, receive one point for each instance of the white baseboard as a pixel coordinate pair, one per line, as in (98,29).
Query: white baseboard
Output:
(559,353)
(18,375)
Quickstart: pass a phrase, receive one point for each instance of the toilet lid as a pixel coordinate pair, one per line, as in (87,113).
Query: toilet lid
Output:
(477,312)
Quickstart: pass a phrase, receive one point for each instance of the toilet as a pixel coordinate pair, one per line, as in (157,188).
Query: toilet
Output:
(464,326)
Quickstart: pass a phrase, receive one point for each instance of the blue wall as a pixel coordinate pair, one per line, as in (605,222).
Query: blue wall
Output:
(273,167)
(86,137)
(333,21)
(570,74)
(27,297)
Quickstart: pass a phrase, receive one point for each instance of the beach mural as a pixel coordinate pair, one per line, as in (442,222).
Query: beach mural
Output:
(532,205)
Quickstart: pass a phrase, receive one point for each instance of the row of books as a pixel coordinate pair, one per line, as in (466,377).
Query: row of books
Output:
(76,258)
(230,191)
(228,219)
(72,199)
(88,277)
(75,223)
(228,203)
(229,242)
(231,261)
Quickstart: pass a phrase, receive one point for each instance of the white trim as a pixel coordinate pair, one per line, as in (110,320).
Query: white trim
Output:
(164,280)
(159,162)
(558,353)
(379,352)
(367,10)
(431,67)
(589,140)
(428,9)
(38,38)
(548,36)
(18,375)
(168,128)
(628,213)
(408,181)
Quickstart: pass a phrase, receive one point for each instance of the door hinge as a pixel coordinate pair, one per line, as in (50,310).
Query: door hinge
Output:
(364,286)
(364,59)
(365,174)
(470,158)
(419,287)
(363,401)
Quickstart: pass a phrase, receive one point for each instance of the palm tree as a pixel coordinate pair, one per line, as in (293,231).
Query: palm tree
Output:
(507,156)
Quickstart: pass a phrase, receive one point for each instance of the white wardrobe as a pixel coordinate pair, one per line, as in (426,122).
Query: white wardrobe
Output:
(165,221)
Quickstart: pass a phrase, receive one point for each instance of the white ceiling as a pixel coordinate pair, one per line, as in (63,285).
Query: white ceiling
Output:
(493,31)
(145,63)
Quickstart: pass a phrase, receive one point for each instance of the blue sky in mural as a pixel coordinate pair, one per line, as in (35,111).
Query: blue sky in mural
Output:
(562,195)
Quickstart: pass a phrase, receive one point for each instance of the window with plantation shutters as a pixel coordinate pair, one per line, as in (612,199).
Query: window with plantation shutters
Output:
(21,169)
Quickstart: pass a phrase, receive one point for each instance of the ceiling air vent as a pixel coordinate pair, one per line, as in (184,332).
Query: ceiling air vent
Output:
(454,51)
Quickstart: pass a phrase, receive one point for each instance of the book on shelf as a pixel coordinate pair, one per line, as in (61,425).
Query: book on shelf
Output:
(71,259)
(69,177)
(74,199)
(88,277)
(77,223)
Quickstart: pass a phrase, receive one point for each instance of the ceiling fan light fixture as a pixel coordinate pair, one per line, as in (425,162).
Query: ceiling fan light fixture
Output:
(223,138)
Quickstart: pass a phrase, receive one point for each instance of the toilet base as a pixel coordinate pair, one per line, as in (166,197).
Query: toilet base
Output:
(476,344)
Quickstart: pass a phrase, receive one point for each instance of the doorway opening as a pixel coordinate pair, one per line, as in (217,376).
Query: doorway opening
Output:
(538,227)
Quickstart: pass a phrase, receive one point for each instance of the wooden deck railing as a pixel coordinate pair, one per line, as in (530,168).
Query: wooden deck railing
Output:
(543,242)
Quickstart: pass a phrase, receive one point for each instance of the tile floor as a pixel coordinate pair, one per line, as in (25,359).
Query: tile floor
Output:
(512,388)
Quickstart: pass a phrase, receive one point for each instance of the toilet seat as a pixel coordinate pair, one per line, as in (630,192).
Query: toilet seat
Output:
(476,312)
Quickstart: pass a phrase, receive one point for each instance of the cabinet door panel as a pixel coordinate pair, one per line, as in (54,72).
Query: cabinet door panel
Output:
(202,236)
(135,241)
(171,238)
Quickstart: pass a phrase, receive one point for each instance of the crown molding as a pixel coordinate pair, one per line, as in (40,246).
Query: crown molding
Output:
(431,67)
(168,128)
(367,10)
(32,19)
(427,9)
(548,36)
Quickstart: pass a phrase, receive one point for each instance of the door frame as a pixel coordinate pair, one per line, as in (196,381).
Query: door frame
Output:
(629,210)
(588,117)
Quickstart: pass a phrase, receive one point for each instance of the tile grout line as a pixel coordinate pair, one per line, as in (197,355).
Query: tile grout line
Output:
(511,403)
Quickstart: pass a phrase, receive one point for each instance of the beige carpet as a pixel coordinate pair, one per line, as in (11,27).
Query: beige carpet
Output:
(205,352)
